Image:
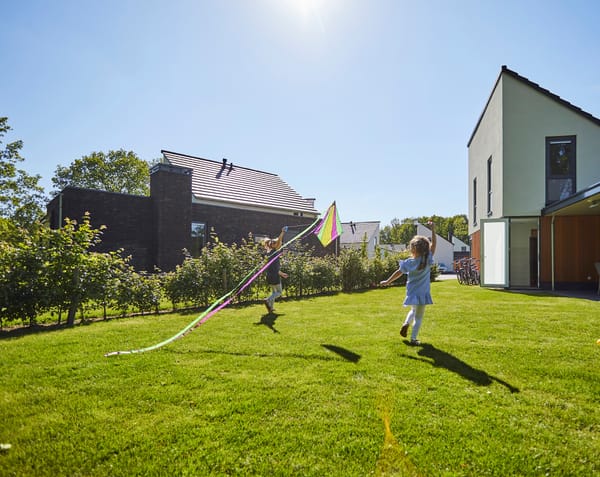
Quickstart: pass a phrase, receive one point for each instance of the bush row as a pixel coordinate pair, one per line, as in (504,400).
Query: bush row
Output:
(50,273)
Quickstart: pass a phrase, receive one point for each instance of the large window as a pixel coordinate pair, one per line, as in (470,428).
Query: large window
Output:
(198,238)
(560,168)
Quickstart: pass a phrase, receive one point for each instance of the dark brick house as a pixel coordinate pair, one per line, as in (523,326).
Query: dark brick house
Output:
(191,200)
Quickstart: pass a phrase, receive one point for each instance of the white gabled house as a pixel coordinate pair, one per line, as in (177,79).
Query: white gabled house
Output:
(444,250)
(460,246)
(534,189)
(355,233)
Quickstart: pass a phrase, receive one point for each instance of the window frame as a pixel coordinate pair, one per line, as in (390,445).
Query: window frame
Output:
(550,140)
(195,250)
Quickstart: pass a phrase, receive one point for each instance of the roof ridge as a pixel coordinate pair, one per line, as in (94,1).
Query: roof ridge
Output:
(536,86)
(211,180)
(549,93)
(163,151)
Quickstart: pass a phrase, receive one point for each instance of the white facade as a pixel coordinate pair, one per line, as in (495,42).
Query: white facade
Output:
(444,250)
(355,233)
(459,245)
(530,149)
(511,134)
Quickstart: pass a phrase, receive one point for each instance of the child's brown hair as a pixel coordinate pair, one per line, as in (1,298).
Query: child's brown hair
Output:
(420,246)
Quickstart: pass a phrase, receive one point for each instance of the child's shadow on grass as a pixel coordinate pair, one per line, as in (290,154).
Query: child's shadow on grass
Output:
(441,359)
(268,320)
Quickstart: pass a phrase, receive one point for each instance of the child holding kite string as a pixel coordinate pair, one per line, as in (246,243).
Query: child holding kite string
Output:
(273,272)
(418,295)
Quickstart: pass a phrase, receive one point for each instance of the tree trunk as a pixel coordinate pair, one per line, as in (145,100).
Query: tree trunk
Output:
(74,300)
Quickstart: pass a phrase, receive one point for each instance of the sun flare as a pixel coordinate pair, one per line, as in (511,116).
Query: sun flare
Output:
(308,10)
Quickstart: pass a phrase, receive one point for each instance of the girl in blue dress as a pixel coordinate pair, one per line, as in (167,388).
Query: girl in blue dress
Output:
(417,269)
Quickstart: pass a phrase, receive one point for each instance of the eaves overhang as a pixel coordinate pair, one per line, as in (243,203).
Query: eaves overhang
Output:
(585,202)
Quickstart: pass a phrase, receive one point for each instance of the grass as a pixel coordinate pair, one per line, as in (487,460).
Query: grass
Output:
(505,384)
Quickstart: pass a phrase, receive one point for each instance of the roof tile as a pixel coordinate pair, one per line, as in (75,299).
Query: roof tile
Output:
(234,184)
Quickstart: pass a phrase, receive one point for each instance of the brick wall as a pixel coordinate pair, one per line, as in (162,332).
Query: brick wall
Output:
(128,220)
(233,225)
(154,230)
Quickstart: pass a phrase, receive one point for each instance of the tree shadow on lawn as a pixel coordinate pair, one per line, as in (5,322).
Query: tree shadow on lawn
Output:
(20,331)
(441,359)
(318,357)
(344,353)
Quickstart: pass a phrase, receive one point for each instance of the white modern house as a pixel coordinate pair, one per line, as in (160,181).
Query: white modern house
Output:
(354,234)
(534,189)
(444,250)
(460,246)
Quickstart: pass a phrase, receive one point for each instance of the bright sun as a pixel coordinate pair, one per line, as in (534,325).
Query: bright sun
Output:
(308,9)
(305,7)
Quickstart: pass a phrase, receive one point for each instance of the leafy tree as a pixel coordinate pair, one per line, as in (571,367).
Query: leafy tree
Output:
(398,232)
(402,231)
(21,197)
(22,281)
(460,227)
(116,171)
(69,262)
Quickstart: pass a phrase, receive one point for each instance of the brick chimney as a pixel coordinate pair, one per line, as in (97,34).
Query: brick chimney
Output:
(171,196)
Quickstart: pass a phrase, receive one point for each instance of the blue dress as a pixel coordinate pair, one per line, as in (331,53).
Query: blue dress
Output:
(418,281)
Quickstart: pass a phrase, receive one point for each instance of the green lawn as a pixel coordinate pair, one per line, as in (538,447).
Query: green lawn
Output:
(504,384)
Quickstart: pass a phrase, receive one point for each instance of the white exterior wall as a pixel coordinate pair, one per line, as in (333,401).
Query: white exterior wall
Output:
(529,117)
(368,230)
(588,155)
(444,250)
(486,143)
(358,246)
(459,245)
(513,132)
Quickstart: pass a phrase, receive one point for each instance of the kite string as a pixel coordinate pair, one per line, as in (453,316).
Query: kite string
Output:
(225,299)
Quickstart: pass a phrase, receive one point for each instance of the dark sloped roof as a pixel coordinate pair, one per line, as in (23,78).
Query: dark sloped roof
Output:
(235,185)
(549,94)
(354,232)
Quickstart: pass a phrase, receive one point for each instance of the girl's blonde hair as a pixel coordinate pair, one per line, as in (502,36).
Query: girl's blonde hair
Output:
(420,246)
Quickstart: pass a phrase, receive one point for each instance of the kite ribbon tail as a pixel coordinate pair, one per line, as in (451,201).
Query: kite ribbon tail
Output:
(220,303)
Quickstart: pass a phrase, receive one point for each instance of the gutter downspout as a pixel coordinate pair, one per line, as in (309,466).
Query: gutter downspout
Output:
(552,248)
(539,252)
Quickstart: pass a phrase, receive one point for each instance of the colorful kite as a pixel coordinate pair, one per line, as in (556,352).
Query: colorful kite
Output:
(330,227)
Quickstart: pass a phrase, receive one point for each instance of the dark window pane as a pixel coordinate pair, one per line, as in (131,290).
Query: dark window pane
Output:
(559,189)
(560,159)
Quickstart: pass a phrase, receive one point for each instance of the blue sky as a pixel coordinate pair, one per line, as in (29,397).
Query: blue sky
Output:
(366,102)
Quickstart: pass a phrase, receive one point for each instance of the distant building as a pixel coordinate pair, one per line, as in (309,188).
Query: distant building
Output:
(191,200)
(460,246)
(392,247)
(354,234)
(444,250)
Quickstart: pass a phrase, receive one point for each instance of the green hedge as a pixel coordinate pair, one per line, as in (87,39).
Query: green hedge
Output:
(48,273)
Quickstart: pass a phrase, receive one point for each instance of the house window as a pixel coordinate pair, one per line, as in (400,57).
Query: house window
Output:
(475,201)
(198,238)
(560,168)
(489,186)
